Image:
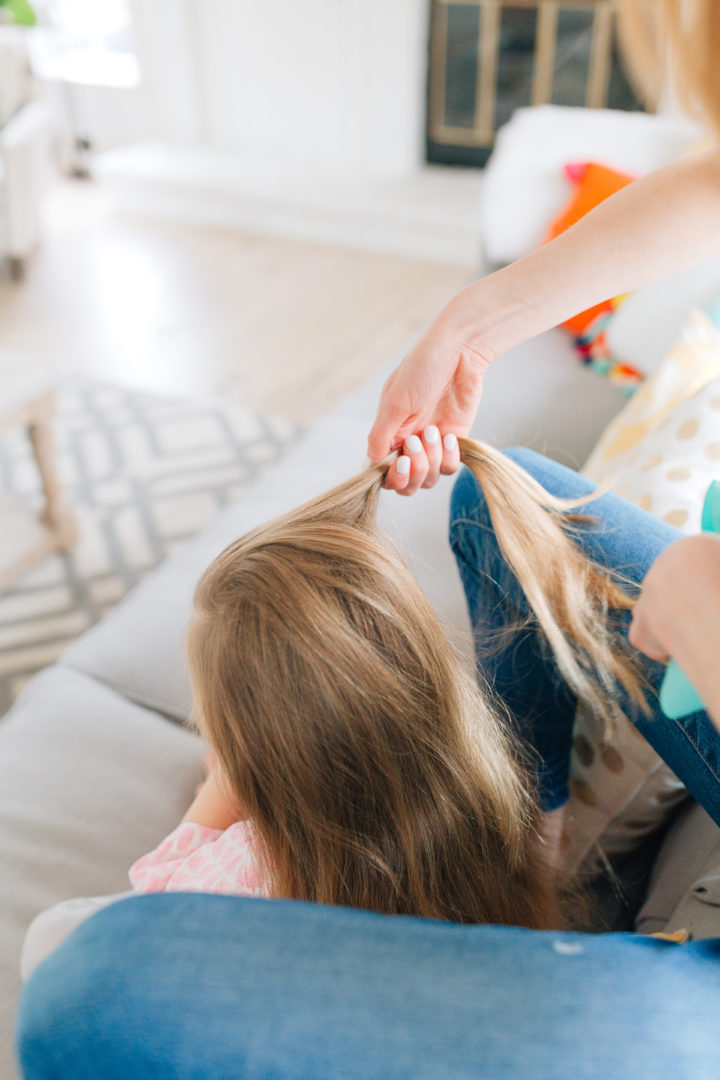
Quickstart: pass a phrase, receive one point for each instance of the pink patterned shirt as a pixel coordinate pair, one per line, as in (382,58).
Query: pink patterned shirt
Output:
(195,858)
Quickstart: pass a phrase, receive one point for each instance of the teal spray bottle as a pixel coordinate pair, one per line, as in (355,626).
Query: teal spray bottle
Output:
(678,696)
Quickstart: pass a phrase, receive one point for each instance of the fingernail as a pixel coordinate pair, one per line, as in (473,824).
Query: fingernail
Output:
(403,464)
(366,464)
(413,444)
(450,441)
(431,434)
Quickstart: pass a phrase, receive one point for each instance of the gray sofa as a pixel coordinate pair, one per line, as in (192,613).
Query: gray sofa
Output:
(95,764)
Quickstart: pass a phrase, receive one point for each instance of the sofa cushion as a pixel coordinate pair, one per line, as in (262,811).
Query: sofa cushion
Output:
(684,888)
(88,782)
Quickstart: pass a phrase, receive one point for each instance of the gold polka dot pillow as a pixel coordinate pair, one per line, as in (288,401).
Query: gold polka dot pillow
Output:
(619,794)
(661,453)
(663,449)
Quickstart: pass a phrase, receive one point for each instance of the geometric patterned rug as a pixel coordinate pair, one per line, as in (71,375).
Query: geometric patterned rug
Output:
(142,474)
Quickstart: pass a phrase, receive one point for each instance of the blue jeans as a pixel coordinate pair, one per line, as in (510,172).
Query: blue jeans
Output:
(520,670)
(198,987)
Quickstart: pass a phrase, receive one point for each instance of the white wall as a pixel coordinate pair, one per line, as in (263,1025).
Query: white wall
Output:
(326,85)
(165,39)
(111,117)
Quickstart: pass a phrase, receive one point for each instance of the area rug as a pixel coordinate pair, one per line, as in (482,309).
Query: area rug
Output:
(142,474)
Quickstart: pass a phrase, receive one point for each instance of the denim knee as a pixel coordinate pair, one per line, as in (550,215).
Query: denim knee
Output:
(475,545)
(468,499)
(46,1021)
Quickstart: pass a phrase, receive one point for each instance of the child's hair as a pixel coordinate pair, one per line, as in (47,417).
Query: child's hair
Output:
(373,769)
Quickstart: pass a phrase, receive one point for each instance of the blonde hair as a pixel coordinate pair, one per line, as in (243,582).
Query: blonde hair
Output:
(688,33)
(373,769)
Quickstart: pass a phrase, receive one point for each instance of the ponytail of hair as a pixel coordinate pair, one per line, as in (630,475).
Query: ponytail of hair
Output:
(571,597)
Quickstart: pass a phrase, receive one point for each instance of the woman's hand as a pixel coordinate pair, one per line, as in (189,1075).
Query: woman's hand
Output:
(425,404)
(678,614)
(654,227)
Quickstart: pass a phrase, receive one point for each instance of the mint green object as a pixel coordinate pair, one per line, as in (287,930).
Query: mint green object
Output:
(21,11)
(713,312)
(678,696)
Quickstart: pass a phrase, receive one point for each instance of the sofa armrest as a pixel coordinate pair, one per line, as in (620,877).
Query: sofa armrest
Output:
(25,148)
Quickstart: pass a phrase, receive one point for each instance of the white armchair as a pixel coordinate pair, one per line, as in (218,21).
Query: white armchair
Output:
(24,163)
(24,154)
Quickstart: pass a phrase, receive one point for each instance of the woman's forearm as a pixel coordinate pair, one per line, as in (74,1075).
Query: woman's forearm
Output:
(653,228)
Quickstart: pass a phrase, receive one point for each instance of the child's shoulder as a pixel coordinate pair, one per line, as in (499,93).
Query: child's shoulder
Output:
(196,858)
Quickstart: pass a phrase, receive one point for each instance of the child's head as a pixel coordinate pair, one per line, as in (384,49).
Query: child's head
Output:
(373,769)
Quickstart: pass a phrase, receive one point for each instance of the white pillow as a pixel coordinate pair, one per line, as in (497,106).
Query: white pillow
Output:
(647,323)
(525,188)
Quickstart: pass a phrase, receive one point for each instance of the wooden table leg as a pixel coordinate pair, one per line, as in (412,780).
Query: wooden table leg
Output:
(56,516)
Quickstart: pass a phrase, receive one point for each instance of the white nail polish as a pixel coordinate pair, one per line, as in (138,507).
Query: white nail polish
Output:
(365,464)
(450,441)
(431,435)
(413,444)
(403,465)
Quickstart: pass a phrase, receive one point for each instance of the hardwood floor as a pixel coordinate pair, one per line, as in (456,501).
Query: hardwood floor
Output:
(276,325)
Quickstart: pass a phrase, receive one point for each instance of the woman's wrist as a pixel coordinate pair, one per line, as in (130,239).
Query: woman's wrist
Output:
(491,315)
(659,224)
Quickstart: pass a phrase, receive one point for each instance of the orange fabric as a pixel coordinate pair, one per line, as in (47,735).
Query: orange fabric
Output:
(579,323)
(596,183)
(593,184)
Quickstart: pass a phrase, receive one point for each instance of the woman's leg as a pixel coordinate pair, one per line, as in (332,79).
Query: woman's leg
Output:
(520,669)
(183,986)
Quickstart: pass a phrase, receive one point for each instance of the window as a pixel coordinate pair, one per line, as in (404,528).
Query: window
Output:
(94,24)
(85,42)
